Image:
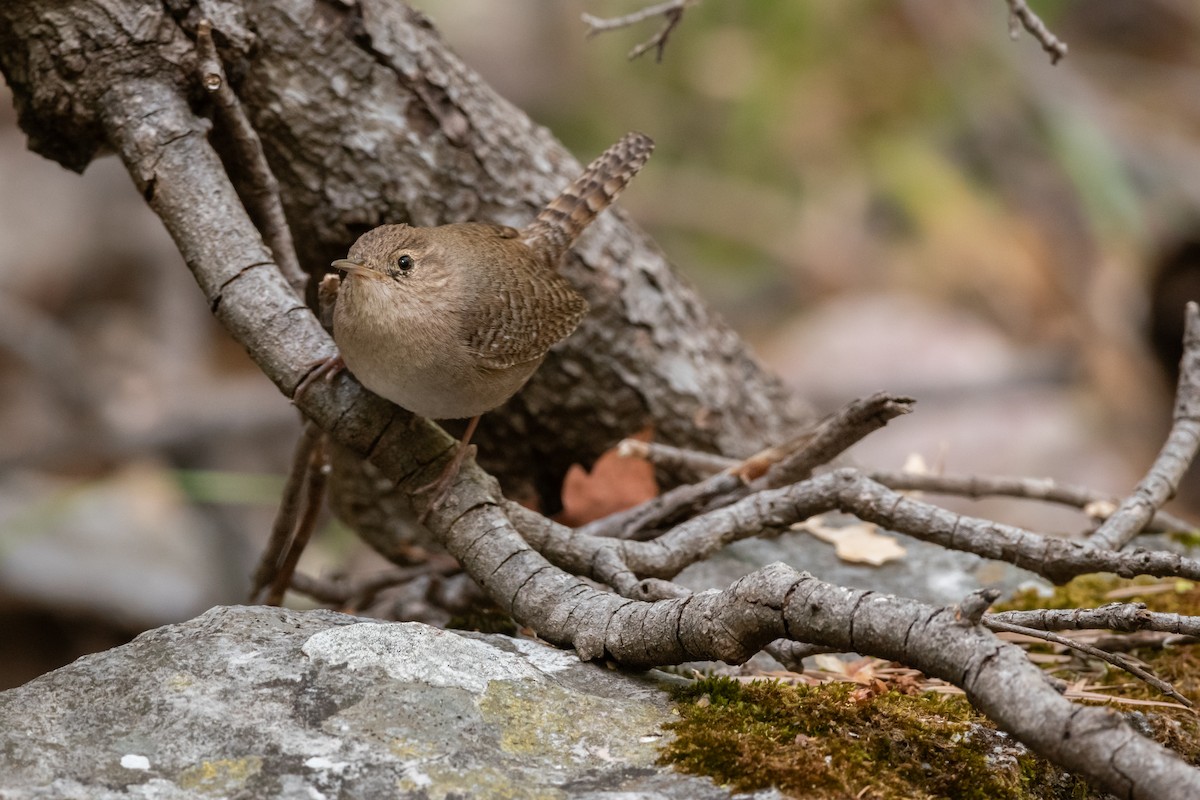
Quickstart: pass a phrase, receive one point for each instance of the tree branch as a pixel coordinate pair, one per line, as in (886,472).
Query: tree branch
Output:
(1178,452)
(1020,14)
(671,12)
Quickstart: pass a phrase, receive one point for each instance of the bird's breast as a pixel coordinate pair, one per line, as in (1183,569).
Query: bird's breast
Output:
(419,361)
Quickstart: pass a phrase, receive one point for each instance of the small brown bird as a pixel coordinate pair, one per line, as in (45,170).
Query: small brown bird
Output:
(449,322)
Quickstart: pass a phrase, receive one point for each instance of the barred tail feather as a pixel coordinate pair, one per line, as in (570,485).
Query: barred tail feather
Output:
(562,221)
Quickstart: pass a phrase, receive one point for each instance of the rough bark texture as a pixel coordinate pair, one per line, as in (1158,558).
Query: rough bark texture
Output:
(366,117)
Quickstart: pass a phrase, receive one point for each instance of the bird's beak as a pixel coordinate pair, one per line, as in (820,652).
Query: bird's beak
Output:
(354,268)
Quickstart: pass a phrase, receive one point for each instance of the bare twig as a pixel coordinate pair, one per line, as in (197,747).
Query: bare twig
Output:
(292,509)
(359,591)
(315,476)
(671,11)
(772,511)
(770,468)
(676,461)
(261,192)
(1123,642)
(1176,455)
(832,436)
(1021,16)
(1091,502)
(634,522)
(1116,659)
(1114,617)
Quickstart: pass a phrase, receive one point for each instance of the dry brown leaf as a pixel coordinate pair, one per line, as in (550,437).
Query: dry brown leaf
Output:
(859,543)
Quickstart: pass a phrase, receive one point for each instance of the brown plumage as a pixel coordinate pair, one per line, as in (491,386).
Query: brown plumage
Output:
(449,322)
(566,216)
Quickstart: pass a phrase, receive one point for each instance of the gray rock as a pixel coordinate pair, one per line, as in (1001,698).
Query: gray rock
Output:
(253,702)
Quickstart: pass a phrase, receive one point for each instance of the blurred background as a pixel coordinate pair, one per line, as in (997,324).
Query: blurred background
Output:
(878,195)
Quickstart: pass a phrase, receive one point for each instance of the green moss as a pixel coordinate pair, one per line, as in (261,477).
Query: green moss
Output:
(1188,538)
(1175,596)
(1176,728)
(838,740)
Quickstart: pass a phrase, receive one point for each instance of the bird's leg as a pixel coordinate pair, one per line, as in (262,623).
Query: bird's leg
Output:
(443,481)
(327,368)
(327,293)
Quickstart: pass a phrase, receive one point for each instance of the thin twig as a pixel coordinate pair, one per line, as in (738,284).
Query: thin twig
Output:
(834,435)
(599,25)
(289,511)
(1114,616)
(358,591)
(1138,640)
(1176,455)
(1091,502)
(1019,14)
(315,477)
(671,11)
(261,196)
(1115,659)
(772,511)
(776,466)
(633,522)
(676,461)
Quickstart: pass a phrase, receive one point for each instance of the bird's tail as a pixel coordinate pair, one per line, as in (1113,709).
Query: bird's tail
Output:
(560,223)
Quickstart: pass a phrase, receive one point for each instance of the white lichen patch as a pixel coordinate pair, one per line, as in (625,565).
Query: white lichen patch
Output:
(546,658)
(134,761)
(416,653)
(326,765)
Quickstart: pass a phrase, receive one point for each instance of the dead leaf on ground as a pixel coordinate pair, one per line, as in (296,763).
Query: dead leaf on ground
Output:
(859,543)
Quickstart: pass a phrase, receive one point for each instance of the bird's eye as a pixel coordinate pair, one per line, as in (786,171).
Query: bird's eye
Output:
(404,262)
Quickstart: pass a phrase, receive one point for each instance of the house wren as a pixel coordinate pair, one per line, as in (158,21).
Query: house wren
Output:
(449,322)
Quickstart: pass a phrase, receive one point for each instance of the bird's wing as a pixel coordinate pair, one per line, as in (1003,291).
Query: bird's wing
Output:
(524,314)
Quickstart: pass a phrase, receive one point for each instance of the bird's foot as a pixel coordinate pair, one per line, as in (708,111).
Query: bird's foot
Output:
(440,487)
(326,368)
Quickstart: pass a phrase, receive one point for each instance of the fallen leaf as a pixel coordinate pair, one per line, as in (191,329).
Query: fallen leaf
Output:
(915,463)
(827,662)
(859,543)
